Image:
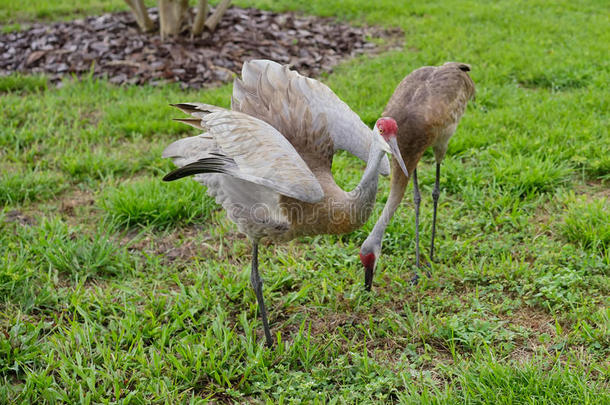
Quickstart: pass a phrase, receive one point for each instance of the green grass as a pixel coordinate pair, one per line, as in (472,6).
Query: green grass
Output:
(46,10)
(118,288)
(18,82)
(29,10)
(150,202)
(587,223)
(69,251)
(29,185)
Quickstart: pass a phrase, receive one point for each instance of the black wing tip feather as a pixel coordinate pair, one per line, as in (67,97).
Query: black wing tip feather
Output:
(181,105)
(174,175)
(187,108)
(206,165)
(190,108)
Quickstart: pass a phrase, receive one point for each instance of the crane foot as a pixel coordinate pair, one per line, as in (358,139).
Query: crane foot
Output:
(426,267)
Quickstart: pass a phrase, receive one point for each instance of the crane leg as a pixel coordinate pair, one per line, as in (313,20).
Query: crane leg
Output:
(435,194)
(416,201)
(257,285)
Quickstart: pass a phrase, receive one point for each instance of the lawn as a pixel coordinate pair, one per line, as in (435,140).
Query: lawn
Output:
(118,288)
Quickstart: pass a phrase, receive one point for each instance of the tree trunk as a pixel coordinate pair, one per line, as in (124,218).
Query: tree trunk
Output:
(171,15)
(214,19)
(202,13)
(141,14)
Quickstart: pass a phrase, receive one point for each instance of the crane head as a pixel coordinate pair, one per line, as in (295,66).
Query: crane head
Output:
(387,127)
(386,131)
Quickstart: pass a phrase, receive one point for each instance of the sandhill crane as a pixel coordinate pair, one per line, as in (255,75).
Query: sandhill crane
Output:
(268,160)
(427,105)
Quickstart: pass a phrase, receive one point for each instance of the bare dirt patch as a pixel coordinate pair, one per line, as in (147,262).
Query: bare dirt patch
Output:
(17,216)
(534,320)
(178,246)
(111,45)
(70,203)
(593,190)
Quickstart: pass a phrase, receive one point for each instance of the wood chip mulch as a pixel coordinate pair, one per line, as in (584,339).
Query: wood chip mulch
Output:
(112,46)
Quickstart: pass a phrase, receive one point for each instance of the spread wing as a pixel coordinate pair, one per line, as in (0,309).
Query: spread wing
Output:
(298,106)
(243,147)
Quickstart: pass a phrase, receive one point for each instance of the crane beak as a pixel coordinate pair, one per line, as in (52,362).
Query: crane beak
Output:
(368,261)
(368,278)
(396,152)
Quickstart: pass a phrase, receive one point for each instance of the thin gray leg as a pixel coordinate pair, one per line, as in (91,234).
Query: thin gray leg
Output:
(435,194)
(416,201)
(257,285)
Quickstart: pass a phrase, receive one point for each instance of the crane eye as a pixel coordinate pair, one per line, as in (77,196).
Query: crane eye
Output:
(381,131)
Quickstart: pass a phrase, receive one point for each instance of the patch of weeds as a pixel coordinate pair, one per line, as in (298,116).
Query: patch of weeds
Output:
(20,348)
(34,185)
(70,251)
(594,160)
(22,284)
(591,154)
(152,202)
(588,223)
(16,276)
(523,175)
(556,287)
(594,331)
(470,331)
(599,167)
(20,83)
(561,277)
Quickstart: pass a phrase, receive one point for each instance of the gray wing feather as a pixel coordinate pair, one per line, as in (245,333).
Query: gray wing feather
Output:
(257,152)
(265,82)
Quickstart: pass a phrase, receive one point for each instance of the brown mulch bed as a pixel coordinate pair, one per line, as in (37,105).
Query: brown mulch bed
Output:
(111,45)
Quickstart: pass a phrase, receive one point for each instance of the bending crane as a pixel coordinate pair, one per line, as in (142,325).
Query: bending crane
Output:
(268,160)
(427,105)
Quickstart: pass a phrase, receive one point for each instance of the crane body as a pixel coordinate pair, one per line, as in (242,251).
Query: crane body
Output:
(268,160)
(427,106)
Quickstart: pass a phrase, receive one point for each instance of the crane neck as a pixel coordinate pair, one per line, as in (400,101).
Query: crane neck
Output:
(364,194)
(398,186)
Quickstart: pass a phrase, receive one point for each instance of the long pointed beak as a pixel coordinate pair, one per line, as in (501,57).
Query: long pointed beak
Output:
(368,277)
(396,152)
